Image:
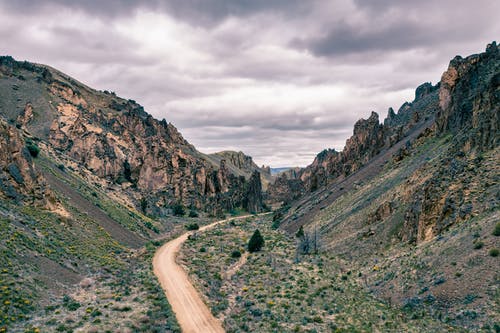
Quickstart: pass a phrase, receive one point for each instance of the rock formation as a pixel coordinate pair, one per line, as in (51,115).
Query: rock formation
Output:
(469,99)
(19,179)
(253,198)
(368,139)
(240,164)
(465,105)
(116,140)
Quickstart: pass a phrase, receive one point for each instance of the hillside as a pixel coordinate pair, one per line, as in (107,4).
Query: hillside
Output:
(89,183)
(399,231)
(413,203)
(116,140)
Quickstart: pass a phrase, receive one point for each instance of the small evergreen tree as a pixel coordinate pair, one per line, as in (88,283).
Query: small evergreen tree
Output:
(256,242)
(300,233)
(33,149)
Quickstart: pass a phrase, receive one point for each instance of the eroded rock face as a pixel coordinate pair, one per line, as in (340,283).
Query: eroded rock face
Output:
(469,99)
(239,160)
(253,197)
(118,141)
(368,139)
(242,165)
(19,181)
(26,116)
(133,147)
(285,188)
(464,107)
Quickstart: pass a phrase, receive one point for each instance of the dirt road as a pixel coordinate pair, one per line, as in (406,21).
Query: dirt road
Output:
(192,314)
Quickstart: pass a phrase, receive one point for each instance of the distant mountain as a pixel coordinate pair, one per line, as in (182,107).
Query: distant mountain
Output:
(241,165)
(275,171)
(413,203)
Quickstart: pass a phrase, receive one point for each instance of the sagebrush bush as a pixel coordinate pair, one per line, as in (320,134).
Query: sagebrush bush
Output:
(496,231)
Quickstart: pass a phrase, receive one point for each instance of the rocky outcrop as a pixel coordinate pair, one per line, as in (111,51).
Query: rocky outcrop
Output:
(285,188)
(25,116)
(118,141)
(469,99)
(19,181)
(253,198)
(369,139)
(239,160)
(240,164)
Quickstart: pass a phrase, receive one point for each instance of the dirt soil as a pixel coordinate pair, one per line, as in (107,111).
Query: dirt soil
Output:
(192,313)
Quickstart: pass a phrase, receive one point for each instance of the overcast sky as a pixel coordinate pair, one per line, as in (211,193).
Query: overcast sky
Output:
(278,79)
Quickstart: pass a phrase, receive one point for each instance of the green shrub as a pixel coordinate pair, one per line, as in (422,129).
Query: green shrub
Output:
(193,213)
(235,254)
(33,149)
(494,252)
(496,231)
(192,226)
(478,245)
(70,303)
(256,242)
(300,233)
(178,210)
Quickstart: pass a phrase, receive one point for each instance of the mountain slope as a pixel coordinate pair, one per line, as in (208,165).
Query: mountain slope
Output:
(369,139)
(88,182)
(416,201)
(115,139)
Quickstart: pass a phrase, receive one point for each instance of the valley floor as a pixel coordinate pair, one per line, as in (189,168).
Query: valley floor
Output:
(192,314)
(277,290)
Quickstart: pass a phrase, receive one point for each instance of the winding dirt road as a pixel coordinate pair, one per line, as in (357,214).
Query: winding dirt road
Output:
(192,314)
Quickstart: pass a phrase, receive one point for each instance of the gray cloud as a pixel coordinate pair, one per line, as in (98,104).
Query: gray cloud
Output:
(197,12)
(386,26)
(280,80)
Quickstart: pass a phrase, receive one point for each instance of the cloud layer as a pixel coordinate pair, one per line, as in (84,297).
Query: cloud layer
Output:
(278,79)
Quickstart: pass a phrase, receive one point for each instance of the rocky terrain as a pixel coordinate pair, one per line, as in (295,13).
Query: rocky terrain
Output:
(19,180)
(398,231)
(116,140)
(88,183)
(413,202)
(242,165)
(368,140)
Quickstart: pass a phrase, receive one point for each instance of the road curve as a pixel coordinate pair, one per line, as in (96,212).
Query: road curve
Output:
(192,314)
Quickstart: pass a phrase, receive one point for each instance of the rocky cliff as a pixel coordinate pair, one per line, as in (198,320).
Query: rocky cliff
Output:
(369,138)
(240,164)
(414,207)
(113,138)
(464,105)
(253,198)
(469,100)
(19,180)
